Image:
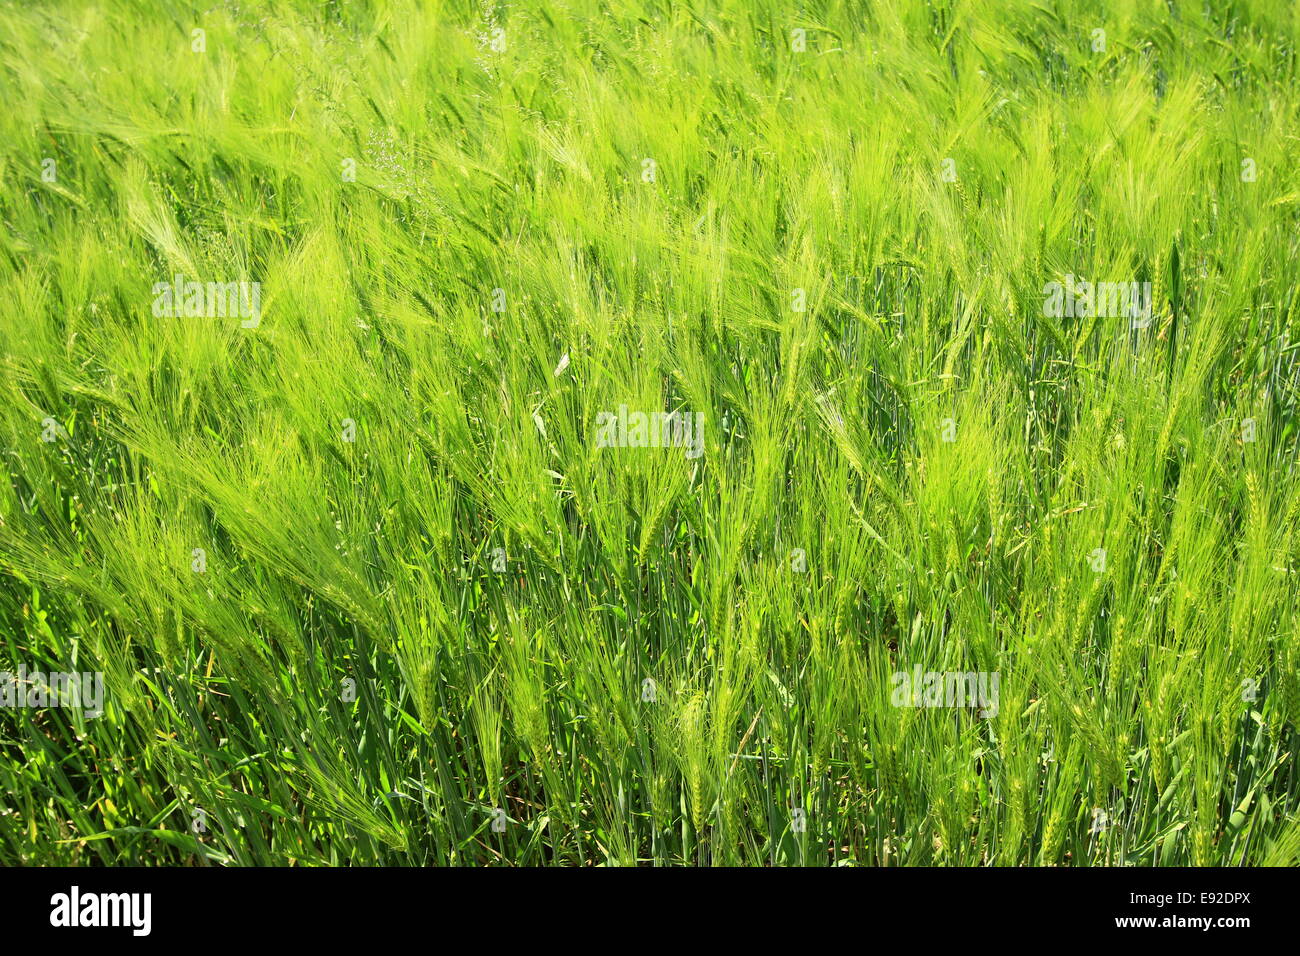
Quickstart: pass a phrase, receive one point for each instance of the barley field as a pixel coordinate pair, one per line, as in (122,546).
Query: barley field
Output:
(619,432)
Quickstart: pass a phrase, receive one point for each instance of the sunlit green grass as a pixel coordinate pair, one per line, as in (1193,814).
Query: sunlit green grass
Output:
(350,679)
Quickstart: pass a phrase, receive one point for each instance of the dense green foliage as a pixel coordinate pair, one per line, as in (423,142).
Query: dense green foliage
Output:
(347,678)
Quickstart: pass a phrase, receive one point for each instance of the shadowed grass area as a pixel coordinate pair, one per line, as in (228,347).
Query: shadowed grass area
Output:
(367,583)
